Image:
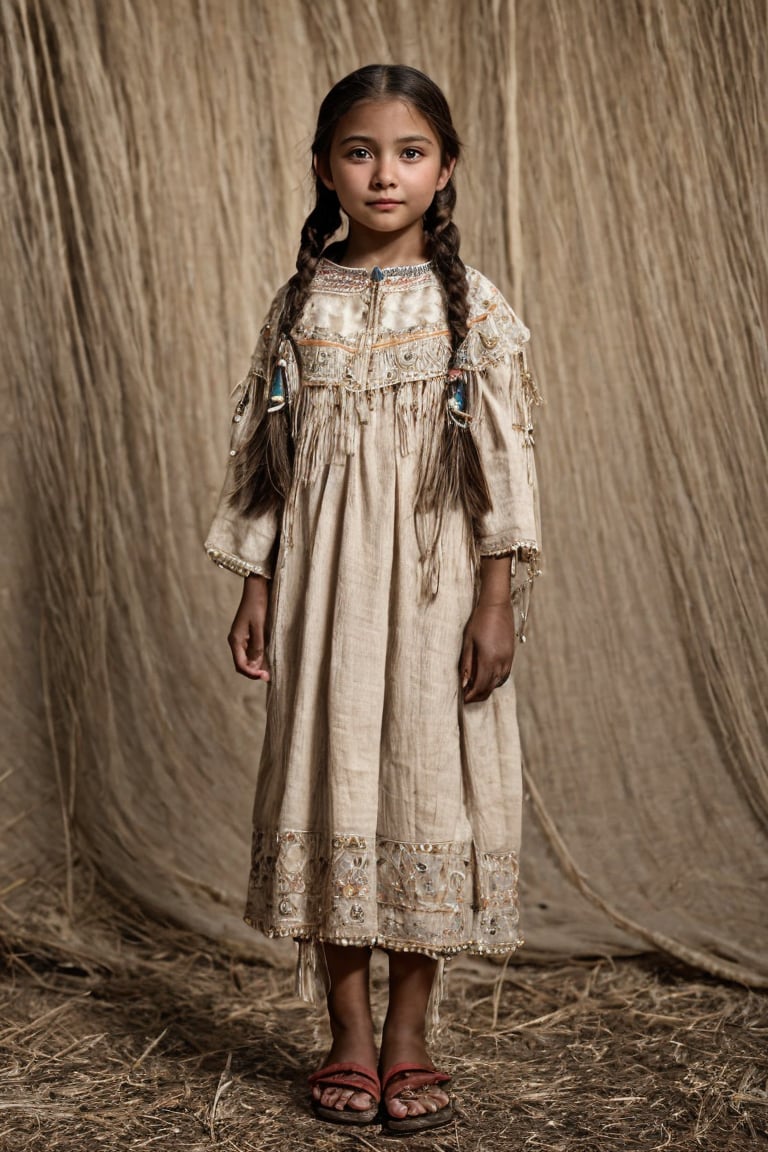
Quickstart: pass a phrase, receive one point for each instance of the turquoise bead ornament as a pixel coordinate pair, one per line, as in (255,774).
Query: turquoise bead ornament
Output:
(457,398)
(377,275)
(277,389)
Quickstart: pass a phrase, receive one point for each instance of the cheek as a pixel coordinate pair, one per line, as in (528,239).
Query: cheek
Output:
(352,179)
(426,181)
(426,188)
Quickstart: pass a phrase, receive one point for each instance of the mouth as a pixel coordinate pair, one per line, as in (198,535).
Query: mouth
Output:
(384,203)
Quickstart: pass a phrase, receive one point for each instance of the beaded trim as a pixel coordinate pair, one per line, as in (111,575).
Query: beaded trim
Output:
(495,336)
(395,358)
(235,564)
(522,551)
(337,277)
(434,898)
(390,944)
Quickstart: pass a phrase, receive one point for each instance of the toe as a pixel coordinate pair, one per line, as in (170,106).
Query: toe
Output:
(398,1108)
(360,1101)
(431,1101)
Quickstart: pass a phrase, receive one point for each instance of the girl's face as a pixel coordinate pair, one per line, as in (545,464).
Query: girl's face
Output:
(385,165)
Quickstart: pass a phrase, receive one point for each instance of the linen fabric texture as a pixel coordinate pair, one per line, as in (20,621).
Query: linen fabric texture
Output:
(387,813)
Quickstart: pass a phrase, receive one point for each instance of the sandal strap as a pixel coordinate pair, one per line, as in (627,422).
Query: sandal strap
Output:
(347,1076)
(411,1076)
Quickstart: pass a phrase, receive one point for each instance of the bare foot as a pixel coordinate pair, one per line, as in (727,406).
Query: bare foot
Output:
(349,1013)
(354,1049)
(411,1097)
(411,976)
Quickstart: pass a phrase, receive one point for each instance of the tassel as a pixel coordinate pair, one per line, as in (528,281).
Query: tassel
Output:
(465,479)
(264,470)
(263,473)
(312,983)
(436,995)
(453,473)
(429,567)
(528,396)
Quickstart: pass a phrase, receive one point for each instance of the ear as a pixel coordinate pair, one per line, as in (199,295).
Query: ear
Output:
(445,174)
(323,170)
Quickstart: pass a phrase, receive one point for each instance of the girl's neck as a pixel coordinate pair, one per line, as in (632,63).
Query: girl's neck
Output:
(366,249)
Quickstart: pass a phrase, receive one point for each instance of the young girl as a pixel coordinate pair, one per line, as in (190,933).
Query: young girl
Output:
(380,502)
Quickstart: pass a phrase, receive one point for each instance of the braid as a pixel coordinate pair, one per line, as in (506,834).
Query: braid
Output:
(263,473)
(319,226)
(454,474)
(443,249)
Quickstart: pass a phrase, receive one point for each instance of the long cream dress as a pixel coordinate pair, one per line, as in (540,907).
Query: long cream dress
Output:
(387,813)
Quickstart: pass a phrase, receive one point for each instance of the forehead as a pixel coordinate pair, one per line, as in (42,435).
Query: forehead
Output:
(386,119)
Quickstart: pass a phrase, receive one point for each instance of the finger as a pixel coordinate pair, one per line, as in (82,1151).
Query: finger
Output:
(466,663)
(256,649)
(260,656)
(248,663)
(481,686)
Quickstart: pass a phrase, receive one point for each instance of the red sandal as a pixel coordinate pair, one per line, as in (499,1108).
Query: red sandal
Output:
(350,1076)
(407,1080)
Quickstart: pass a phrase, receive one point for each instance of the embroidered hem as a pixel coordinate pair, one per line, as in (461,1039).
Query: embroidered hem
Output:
(390,944)
(434,898)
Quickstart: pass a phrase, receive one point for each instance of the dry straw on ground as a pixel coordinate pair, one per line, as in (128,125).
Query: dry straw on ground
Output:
(141,1036)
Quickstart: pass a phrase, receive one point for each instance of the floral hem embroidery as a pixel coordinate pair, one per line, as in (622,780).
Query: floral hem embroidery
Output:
(438,899)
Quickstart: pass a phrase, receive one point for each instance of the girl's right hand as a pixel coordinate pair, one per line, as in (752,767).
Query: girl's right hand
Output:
(248,635)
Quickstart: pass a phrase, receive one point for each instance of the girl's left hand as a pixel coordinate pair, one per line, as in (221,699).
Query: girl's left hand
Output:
(488,650)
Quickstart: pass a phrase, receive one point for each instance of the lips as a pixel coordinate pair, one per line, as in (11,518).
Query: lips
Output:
(384,203)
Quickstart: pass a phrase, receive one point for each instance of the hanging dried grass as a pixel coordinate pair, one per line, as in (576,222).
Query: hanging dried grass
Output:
(152,158)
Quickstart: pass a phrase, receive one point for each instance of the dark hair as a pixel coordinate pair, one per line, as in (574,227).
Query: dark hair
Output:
(453,473)
(376,82)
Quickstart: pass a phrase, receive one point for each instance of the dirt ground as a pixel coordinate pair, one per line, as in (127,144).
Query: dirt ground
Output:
(149,1037)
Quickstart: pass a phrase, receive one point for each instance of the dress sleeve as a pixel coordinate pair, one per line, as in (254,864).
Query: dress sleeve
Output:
(245,542)
(504,395)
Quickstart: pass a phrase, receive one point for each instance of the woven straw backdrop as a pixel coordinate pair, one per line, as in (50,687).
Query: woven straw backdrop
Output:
(154,179)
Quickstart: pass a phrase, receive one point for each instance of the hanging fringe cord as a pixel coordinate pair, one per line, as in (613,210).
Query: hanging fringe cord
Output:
(312,982)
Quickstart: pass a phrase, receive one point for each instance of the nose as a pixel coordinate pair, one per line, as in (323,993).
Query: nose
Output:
(384,175)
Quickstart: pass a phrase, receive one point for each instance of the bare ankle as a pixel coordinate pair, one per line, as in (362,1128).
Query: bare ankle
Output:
(344,1028)
(406,1031)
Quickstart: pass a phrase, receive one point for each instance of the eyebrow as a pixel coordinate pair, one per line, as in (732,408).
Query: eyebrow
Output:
(400,140)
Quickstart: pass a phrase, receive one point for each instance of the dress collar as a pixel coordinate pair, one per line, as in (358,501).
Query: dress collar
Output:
(338,276)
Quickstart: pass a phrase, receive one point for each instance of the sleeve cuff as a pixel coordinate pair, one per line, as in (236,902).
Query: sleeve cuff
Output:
(237,565)
(502,545)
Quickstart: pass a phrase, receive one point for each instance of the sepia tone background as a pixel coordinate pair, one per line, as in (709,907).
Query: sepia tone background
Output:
(154,178)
